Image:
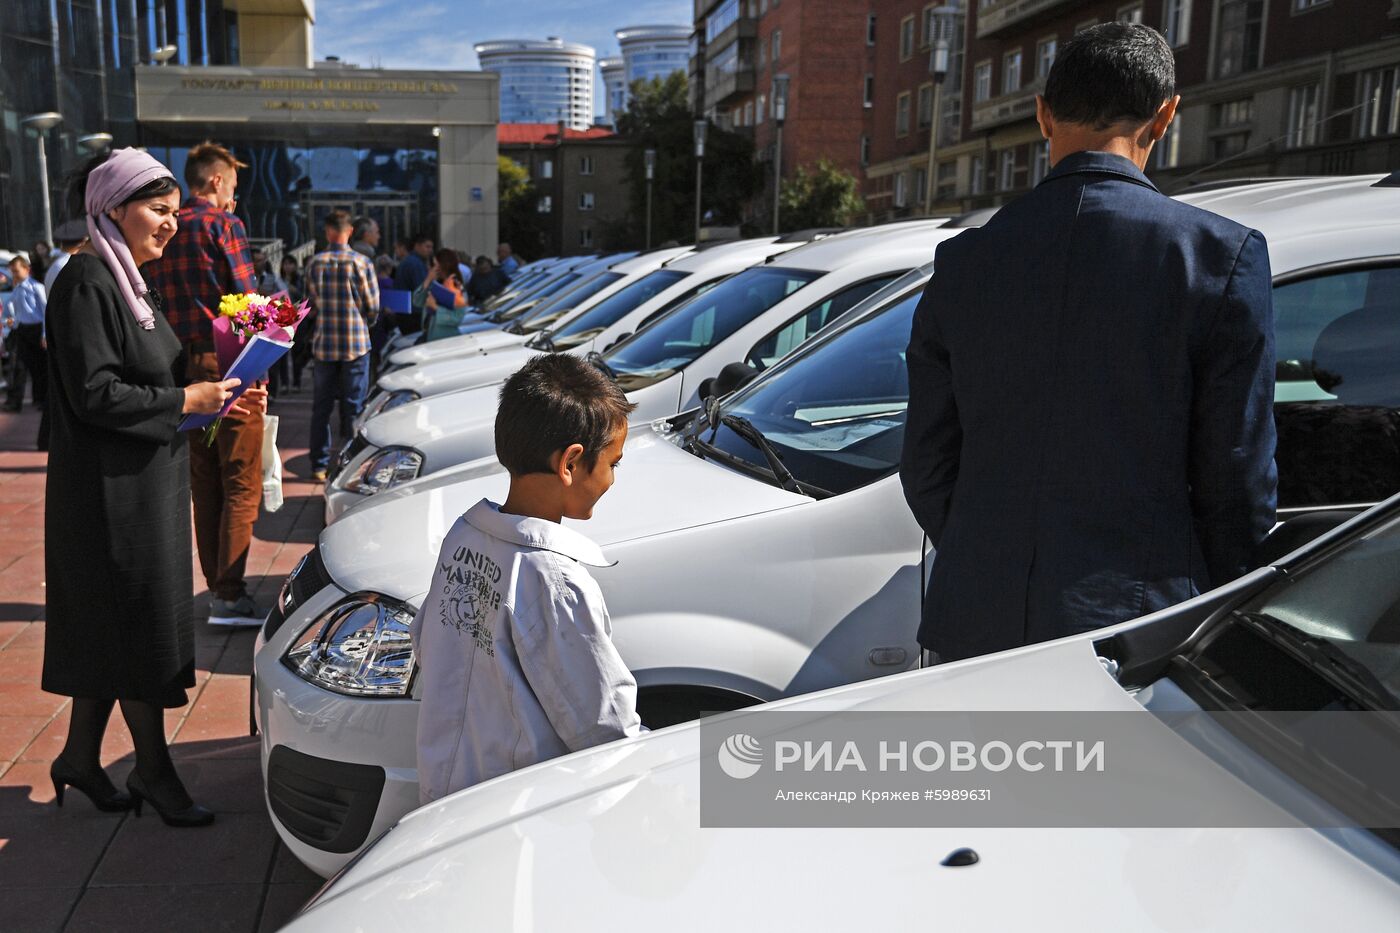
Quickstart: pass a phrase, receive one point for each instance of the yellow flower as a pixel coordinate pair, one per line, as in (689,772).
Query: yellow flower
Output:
(232,305)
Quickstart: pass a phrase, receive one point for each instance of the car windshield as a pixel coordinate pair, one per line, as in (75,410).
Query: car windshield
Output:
(1350,600)
(615,307)
(678,339)
(836,413)
(546,313)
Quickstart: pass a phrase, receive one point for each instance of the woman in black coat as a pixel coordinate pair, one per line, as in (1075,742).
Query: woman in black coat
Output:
(117,521)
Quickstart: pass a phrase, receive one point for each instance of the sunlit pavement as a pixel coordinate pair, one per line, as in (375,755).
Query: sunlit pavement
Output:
(77,868)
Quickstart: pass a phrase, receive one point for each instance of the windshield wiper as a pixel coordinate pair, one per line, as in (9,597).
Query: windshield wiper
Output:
(749,432)
(1338,667)
(597,360)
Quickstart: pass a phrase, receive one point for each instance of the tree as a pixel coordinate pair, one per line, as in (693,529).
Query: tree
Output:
(824,196)
(521,224)
(659,117)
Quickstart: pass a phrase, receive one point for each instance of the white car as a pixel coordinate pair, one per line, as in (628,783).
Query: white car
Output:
(755,318)
(585,293)
(736,583)
(611,838)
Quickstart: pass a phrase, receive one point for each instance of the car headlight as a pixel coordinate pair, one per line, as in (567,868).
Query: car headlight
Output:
(385,470)
(359,647)
(397,398)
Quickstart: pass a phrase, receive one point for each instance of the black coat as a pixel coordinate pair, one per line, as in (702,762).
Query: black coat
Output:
(1090,433)
(117,518)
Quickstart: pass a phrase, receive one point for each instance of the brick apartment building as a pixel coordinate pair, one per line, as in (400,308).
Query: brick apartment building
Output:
(739,46)
(580,176)
(1269,87)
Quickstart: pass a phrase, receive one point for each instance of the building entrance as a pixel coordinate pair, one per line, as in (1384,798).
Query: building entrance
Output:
(398,213)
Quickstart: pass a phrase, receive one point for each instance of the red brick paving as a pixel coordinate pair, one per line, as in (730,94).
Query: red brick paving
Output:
(76,869)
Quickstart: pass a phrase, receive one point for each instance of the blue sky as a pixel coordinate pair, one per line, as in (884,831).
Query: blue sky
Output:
(441,33)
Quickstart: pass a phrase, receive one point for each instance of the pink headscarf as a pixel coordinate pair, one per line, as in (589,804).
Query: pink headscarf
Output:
(111,183)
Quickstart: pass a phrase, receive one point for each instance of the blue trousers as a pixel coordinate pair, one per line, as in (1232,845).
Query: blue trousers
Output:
(346,382)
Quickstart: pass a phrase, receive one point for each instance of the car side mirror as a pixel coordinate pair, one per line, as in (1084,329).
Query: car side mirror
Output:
(1295,532)
(733,376)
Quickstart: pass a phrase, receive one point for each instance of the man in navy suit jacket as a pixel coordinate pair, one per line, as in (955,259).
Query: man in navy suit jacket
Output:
(1090,434)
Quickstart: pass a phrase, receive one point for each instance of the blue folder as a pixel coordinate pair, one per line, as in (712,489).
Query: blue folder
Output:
(258,355)
(443,295)
(396,301)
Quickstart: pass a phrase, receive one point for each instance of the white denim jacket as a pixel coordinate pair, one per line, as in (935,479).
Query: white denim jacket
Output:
(515,654)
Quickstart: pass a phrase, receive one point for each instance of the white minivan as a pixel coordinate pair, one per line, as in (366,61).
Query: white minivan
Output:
(772,553)
(753,318)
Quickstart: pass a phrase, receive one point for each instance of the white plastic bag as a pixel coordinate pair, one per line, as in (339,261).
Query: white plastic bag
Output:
(271,465)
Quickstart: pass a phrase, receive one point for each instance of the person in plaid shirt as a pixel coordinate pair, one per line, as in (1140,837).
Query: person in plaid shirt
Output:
(207,258)
(345,293)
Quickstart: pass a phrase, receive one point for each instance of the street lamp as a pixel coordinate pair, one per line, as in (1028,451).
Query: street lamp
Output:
(649,159)
(780,95)
(163,54)
(700,127)
(41,123)
(95,142)
(943,27)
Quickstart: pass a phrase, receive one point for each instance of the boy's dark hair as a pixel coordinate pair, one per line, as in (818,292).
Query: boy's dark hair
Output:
(338,220)
(420,237)
(1110,73)
(204,159)
(551,402)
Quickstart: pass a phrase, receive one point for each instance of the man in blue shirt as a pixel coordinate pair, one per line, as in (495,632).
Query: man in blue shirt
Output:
(506,261)
(411,273)
(26,308)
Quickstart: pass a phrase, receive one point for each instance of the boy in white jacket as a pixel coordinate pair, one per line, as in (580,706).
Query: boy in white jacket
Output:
(513,641)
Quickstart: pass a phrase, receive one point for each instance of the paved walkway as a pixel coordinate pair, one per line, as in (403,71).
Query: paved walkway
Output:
(75,868)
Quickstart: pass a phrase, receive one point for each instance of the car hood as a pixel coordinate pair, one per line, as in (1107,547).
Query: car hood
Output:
(388,544)
(462,371)
(420,423)
(613,833)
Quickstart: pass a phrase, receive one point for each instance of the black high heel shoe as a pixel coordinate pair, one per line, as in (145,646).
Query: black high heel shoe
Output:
(192,815)
(107,799)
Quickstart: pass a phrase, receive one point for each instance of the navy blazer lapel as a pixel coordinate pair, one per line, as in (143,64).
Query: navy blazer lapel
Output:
(1098,163)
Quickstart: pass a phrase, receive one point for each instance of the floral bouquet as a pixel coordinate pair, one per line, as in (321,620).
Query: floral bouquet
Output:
(249,318)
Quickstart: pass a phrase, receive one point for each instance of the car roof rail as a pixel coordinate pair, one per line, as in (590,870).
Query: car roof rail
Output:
(811,233)
(1390,181)
(707,244)
(972,218)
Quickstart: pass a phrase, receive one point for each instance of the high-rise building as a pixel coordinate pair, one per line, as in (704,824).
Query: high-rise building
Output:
(653,51)
(542,81)
(614,88)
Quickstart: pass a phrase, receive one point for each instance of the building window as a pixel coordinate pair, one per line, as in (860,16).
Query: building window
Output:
(870,29)
(1011,72)
(1302,116)
(585,165)
(547,168)
(1301,5)
(748,114)
(901,115)
(1169,147)
(1045,55)
(762,55)
(981,82)
(901,189)
(906,38)
(545,204)
(1006,174)
(777,46)
(585,236)
(1132,13)
(1379,93)
(1241,37)
(920,186)
(869,91)
(585,201)
(1176,22)
(925,106)
(930,26)
(1232,112)
(758,112)
(979,174)
(865,150)
(1230,144)
(1040,161)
